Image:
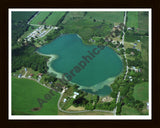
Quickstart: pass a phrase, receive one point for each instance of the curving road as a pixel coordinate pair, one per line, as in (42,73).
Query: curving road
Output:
(118,95)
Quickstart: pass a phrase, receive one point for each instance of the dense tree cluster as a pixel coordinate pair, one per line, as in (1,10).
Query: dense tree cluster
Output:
(27,57)
(19,24)
(106,105)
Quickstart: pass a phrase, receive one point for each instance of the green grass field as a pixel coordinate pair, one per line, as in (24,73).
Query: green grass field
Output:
(54,18)
(72,15)
(87,28)
(145,56)
(143,22)
(24,98)
(132,19)
(110,17)
(129,111)
(141,92)
(39,18)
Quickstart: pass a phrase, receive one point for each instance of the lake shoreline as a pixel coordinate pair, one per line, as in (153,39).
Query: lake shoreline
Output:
(95,87)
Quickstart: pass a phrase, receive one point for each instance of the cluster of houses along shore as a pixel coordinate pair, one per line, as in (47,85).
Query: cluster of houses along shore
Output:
(41,31)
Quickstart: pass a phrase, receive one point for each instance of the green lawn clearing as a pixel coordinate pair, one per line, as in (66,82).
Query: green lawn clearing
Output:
(129,111)
(24,98)
(141,92)
(132,19)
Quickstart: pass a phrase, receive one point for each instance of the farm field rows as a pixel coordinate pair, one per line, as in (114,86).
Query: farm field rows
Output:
(39,18)
(54,18)
(24,98)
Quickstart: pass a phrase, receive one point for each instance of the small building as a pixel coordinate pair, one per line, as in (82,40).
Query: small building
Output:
(135,44)
(134,47)
(133,67)
(64,100)
(75,94)
(129,28)
(20,75)
(132,53)
(31,75)
(25,69)
(40,75)
(130,77)
(147,105)
(138,40)
(139,70)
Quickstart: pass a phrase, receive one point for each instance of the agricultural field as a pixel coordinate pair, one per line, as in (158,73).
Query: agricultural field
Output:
(54,18)
(73,15)
(109,17)
(141,92)
(132,20)
(39,18)
(87,29)
(24,98)
(143,22)
(129,111)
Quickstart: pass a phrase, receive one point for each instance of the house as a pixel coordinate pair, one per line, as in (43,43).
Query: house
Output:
(40,75)
(134,47)
(75,95)
(147,105)
(138,40)
(140,70)
(135,44)
(129,28)
(130,77)
(31,75)
(20,75)
(64,100)
(133,67)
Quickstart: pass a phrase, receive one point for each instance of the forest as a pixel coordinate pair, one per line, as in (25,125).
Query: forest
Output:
(27,57)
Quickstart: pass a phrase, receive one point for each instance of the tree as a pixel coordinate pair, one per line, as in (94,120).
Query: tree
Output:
(94,20)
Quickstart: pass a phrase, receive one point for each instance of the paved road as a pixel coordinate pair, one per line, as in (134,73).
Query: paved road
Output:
(118,95)
(96,110)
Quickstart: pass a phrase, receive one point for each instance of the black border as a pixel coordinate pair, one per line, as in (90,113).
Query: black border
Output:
(6,4)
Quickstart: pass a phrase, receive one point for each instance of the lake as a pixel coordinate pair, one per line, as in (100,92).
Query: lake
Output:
(92,68)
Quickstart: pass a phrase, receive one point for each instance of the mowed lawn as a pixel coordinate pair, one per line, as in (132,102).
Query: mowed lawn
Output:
(54,18)
(129,111)
(132,19)
(24,98)
(141,92)
(111,17)
(39,18)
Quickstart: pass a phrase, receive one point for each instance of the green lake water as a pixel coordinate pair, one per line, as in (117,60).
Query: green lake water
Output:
(99,70)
